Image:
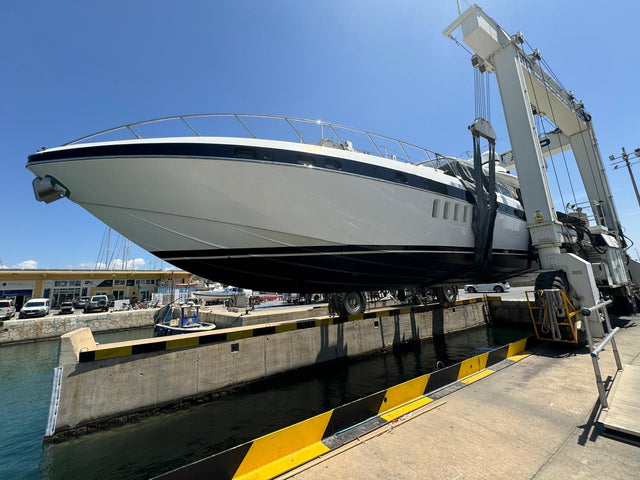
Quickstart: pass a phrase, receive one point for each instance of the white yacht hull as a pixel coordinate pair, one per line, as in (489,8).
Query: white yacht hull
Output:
(282,225)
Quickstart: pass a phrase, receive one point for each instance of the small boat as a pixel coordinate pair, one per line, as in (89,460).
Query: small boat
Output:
(220,294)
(178,320)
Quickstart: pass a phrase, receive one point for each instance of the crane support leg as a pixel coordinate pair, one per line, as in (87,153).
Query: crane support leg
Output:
(580,276)
(518,75)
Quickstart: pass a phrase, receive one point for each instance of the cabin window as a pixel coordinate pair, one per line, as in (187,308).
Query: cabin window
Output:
(465,213)
(435,209)
(248,153)
(456,212)
(447,210)
(401,177)
(332,163)
(306,160)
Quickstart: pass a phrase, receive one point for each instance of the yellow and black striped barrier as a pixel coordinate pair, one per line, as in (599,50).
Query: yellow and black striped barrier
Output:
(205,338)
(290,447)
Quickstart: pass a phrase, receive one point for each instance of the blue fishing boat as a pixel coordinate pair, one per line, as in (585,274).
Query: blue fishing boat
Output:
(178,320)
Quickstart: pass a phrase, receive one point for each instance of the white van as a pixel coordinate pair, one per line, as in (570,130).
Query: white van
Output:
(7,308)
(36,307)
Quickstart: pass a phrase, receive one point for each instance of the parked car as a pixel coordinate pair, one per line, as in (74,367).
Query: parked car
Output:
(497,287)
(36,307)
(66,307)
(7,309)
(80,302)
(97,303)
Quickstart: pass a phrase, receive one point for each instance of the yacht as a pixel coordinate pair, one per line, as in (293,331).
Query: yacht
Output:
(307,206)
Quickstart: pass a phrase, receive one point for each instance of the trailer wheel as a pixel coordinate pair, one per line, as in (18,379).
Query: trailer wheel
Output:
(352,303)
(557,280)
(549,280)
(447,293)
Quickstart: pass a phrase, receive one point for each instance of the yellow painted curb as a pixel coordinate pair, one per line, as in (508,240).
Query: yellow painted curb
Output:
(478,376)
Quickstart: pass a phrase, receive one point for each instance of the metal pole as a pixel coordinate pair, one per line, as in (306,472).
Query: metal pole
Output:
(625,157)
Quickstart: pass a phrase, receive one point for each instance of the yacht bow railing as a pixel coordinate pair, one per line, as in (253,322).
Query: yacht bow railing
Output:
(273,127)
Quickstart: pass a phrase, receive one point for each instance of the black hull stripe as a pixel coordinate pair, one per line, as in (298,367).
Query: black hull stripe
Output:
(272,155)
(322,250)
(342,272)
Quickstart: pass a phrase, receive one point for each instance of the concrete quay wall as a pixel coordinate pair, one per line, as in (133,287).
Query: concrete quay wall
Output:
(53,326)
(101,383)
(508,312)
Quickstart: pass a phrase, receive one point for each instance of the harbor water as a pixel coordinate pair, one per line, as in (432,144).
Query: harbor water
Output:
(156,444)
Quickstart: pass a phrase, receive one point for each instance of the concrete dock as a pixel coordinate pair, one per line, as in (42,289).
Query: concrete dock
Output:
(97,385)
(536,419)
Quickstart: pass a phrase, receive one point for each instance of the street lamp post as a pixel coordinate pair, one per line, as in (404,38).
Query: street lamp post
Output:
(625,158)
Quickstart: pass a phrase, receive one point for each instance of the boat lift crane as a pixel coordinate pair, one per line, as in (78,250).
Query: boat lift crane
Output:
(527,90)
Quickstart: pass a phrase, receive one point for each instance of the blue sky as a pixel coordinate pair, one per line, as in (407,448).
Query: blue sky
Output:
(72,68)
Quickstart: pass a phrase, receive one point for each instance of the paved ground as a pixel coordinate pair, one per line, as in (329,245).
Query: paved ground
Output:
(532,420)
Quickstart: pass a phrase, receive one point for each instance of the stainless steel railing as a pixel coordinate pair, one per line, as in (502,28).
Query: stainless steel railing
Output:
(271,127)
(594,350)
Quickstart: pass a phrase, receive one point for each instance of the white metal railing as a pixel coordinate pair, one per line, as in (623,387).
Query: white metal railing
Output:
(596,349)
(54,403)
(274,128)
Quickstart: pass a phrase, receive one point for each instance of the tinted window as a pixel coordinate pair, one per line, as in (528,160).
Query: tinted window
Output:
(266,155)
(306,160)
(248,153)
(401,177)
(332,163)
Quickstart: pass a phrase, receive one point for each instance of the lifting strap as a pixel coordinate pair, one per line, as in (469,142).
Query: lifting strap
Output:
(484,194)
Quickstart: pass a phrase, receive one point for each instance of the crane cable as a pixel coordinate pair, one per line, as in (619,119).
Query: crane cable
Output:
(482,94)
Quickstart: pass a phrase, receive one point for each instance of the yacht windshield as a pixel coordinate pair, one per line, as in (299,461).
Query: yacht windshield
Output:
(458,169)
